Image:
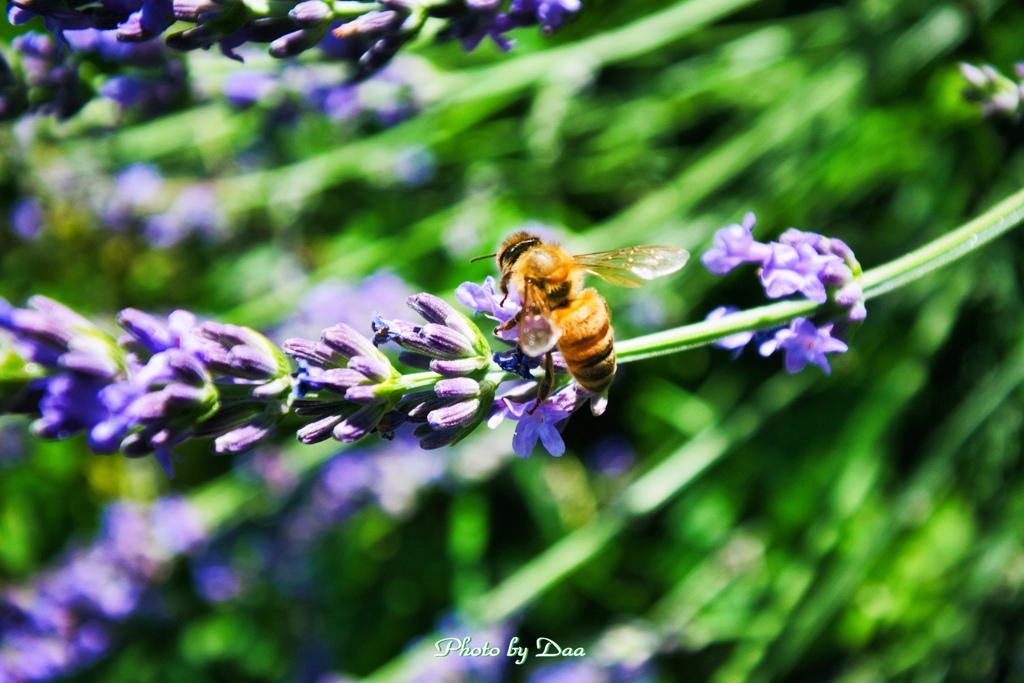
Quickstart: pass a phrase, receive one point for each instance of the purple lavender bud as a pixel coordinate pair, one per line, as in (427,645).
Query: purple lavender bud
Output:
(835,274)
(418,360)
(366,394)
(295,43)
(849,295)
(315,353)
(310,13)
(231,335)
(131,29)
(794,237)
(340,380)
(243,438)
(375,368)
(735,244)
(436,310)
(250,363)
(174,399)
(89,363)
(453,415)
(433,309)
(369,24)
(274,390)
(993,91)
(346,341)
(459,388)
(431,339)
(804,343)
(40,327)
(360,423)
(416,414)
(458,367)
(318,430)
(148,330)
(187,367)
(196,11)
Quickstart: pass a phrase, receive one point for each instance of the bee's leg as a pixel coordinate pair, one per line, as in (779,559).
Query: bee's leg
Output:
(508,324)
(547,383)
(505,278)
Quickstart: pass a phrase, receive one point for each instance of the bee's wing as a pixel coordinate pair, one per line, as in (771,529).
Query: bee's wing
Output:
(632,266)
(538,333)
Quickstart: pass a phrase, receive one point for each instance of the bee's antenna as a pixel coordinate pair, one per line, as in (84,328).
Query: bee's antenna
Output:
(481,258)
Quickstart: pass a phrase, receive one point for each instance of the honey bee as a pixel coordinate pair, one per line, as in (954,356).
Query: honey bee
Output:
(558,311)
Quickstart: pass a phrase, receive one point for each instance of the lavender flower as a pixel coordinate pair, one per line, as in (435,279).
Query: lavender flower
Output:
(488,300)
(804,343)
(538,423)
(800,261)
(735,244)
(171,380)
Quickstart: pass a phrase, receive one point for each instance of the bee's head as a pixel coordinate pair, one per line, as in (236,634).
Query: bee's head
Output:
(514,247)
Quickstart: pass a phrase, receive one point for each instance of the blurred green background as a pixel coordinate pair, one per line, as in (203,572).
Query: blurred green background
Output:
(864,526)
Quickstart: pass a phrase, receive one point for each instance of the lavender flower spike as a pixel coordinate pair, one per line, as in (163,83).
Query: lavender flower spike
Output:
(804,343)
(735,244)
(345,364)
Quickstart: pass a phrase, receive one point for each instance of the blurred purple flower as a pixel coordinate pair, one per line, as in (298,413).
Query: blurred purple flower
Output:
(804,343)
(735,342)
(59,622)
(613,455)
(27,217)
(245,88)
(216,582)
(196,210)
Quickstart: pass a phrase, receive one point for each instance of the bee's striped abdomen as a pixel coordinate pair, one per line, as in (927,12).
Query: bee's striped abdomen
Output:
(587,341)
